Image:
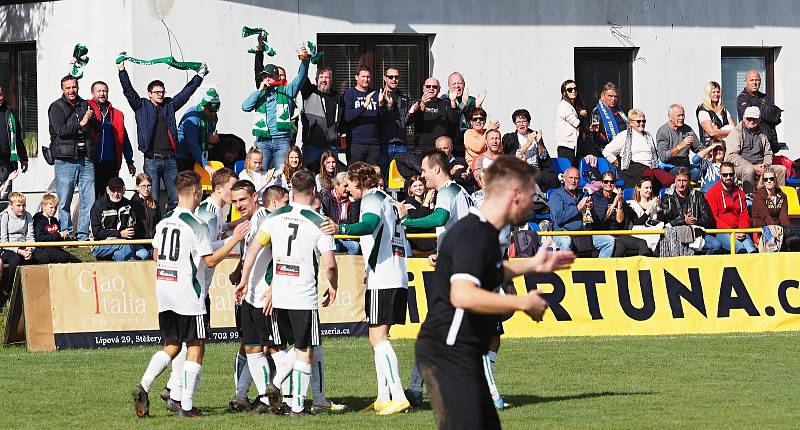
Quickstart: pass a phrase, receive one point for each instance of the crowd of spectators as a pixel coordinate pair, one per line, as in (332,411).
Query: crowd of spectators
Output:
(610,172)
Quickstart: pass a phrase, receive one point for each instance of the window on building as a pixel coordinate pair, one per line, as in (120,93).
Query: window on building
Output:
(596,66)
(345,52)
(18,80)
(735,64)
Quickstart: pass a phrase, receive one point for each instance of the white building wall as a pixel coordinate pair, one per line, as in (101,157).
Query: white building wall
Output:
(519,51)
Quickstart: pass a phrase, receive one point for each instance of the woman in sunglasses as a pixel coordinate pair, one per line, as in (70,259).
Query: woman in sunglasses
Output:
(770,206)
(633,153)
(610,212)
(475,137)
(570,114)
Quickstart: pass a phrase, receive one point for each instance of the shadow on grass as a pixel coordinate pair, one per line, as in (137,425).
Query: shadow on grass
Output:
(521,400)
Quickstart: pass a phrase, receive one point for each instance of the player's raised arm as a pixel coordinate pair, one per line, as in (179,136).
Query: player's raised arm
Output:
(238,234)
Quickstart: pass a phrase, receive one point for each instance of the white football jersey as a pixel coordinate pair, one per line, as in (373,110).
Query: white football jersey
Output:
(261,274)
(211,214)
(454,199)
(295,237)
(385,249)
(180,243)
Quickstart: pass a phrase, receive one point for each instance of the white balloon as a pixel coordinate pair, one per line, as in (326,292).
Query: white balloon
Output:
(161,8)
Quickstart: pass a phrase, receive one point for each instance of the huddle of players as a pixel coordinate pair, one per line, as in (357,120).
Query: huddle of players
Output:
(278,287)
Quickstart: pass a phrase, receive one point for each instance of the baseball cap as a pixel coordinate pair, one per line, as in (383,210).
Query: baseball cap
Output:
(270,69)
(116,182)
(752,112)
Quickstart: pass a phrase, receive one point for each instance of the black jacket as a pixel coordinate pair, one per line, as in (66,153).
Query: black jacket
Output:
(147,216)
(66,131)
(437,119)
(5,144)
(331,209)
(109,219)
(46,229)
(320,122)
(672,212)
(393,121)
(469,182)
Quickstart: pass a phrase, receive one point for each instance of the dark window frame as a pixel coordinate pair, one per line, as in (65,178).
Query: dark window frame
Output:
(12,90)
(367,43)
(590,96)
(769,61)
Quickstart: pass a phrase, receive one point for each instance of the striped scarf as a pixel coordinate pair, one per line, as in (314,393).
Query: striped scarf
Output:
(627,150)
(283,120)
(12,131)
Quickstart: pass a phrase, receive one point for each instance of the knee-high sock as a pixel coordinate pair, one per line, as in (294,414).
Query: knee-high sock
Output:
(301,376)
(387,359)
(416,381)
(284,363)
(175,383)
(318,374)
(259,369)
(383,385)
(488,370)
(158,362)
(191,377)
(241,375)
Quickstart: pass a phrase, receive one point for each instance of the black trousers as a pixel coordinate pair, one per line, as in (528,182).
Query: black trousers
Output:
(625,246)
(53,255)
(184,164)
(569,154)
(102,173)
(370,154)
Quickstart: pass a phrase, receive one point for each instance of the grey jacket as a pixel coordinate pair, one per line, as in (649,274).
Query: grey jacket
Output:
(15,229)
(733,145)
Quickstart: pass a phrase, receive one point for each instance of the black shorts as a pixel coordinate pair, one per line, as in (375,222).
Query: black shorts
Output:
(386,307)
(500,330)
(237,316)
(255,327)
(457,386)
(296,327)
(182,328)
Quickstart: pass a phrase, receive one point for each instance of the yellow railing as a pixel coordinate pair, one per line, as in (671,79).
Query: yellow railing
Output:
(410,236)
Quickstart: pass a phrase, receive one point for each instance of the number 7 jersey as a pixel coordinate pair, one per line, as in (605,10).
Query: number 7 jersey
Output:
(294,234)
(385,249)
(180,242)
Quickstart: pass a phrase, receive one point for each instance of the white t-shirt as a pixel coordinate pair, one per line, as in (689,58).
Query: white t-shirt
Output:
(180,243)
(455,200)
(259,180)
(295,236)
(261,274)
(384,250)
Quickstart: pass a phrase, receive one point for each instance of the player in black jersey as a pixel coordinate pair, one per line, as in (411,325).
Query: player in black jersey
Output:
(463,309)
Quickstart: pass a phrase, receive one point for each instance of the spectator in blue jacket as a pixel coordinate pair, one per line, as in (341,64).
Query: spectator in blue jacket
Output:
(361,116)
(197,130)
(273,106)
(156,128)
(566,212)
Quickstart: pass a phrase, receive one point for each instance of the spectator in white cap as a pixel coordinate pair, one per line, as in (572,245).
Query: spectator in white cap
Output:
(749,151)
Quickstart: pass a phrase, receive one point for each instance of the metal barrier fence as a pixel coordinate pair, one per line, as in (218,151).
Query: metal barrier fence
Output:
(731,231)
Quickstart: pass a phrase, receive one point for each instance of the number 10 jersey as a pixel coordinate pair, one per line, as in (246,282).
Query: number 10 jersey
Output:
(180,242)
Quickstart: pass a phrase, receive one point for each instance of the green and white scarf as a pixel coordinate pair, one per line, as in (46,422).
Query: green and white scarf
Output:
(210,97)
(170,61)
(12,130)
(248,31)
(79,53)
(283,120)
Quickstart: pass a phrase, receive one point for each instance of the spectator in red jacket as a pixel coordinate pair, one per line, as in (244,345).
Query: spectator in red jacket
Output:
(729,207)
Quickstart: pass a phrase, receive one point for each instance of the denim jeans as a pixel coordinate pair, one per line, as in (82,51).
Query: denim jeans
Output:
(313,153)
(69,173)
(120,252)
(388,152)
(167,170)
(349,246)
(603,243)
(742,246)
(274,150)
(711,245)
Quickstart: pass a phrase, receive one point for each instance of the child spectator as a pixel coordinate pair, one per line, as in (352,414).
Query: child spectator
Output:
(253,165)
(16,225)
(46,228)
(145,207)
(707,161)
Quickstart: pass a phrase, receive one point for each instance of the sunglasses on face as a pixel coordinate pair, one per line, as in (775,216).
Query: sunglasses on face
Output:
(726,175)
(432,86)
(640,121)
(608,181)
(571,89)
(393,77)
(478,118)
(769,179)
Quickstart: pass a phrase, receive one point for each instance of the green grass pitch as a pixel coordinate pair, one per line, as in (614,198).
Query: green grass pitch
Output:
(719,381)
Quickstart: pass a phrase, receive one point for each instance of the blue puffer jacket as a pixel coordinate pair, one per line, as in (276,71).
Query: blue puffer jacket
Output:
(145,110)
(189,133)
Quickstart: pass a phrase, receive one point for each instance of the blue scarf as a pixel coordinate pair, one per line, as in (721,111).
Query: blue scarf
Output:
(609,122)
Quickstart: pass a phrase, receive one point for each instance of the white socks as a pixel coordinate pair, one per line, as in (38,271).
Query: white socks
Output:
(175,383)
(259,370)
(416,381)
(383,385)
(284,362)
(488,370)
(300,377)
(158,363)
(191,376)
(317,374)
(386,359)
(241,375)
